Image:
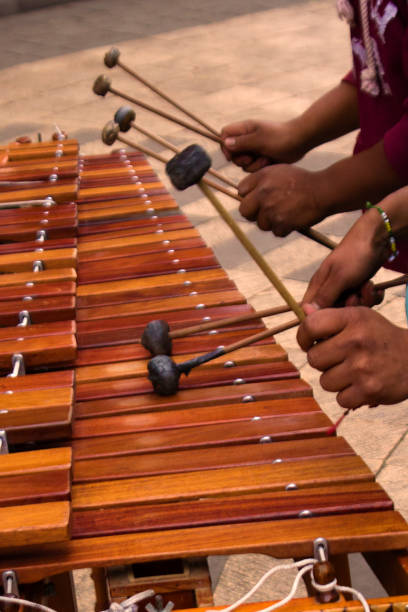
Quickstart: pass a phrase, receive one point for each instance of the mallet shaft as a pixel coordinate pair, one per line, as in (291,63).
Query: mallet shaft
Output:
(160,93)
(253,251)
(165,115)
(195,329)
(175,149)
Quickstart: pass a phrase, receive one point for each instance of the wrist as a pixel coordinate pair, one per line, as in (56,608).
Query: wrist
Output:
(382,235)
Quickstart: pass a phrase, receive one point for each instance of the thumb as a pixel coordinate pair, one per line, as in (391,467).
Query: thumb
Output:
(310,308)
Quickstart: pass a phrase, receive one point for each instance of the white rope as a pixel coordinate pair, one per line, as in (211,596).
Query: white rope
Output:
(273,570)
(304,566)
(25,602)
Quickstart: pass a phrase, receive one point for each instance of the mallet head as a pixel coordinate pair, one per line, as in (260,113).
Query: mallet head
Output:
(110,133)
(188,167)
(111,57)
(164,375)
(156,338)
(124,117)
(101,85)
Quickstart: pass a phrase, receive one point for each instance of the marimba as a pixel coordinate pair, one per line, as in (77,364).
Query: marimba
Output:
(100,470)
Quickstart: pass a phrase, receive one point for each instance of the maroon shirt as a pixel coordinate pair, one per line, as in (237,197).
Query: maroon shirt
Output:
(385,116)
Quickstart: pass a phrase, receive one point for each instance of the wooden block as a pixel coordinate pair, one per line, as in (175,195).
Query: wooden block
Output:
(60,193)
(42,329)
(359,532)
(140,240)
(198,378)
(38,290)
(59,308)
(21,247)
(116,330)
(320,501)
(43,487)
(38,351)
(191,398)
(138,290)
(224,481)
(37,214)
(189,416)
(117,459)
(23,262)
(36,382)
(134,266)
(19,232)
(133,227)
(44,276)
(181,346)
(33,524)
(38,461)
(37,415)
(200,302)
(290,427)
(131,369)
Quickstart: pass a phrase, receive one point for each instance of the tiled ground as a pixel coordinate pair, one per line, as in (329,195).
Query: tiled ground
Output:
(225,60)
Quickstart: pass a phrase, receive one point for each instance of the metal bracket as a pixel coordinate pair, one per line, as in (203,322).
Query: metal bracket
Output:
(41,235)
(4,449)
(17,363)
(321,549)
(38,265)
(10,583)
(24,318)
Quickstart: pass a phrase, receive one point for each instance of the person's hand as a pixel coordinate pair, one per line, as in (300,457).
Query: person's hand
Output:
(256,144)
(343,277)
(281,198)
(363,357)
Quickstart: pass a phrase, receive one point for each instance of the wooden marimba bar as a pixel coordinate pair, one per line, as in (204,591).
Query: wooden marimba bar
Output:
(100,470)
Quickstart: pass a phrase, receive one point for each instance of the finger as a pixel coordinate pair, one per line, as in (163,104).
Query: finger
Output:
(370,296)
(351,397)
(263,221)
(321,324)
(247,185)
(337,378)
(324,288)
(328,353)
(243,160)
(249,206)
(258,164)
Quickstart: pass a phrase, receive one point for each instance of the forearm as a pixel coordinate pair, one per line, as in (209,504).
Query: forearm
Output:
(348,184)
(331,116)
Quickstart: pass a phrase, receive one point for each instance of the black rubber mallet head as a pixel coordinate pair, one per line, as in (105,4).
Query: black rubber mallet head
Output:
(188,167)
(156,337)
(111,57)
(124,117)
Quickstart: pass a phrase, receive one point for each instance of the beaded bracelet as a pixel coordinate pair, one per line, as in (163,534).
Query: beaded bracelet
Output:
(387,223)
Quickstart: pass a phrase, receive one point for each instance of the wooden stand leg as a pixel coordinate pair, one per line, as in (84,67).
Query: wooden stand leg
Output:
(63,598)
(98,576)
(391,569)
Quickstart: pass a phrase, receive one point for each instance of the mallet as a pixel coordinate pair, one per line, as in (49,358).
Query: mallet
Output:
(157,337)
(102,85)
(186,169)
(125,118)
(111,59)
(164,373)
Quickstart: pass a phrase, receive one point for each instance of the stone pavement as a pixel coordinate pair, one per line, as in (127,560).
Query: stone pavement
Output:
(225,61)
